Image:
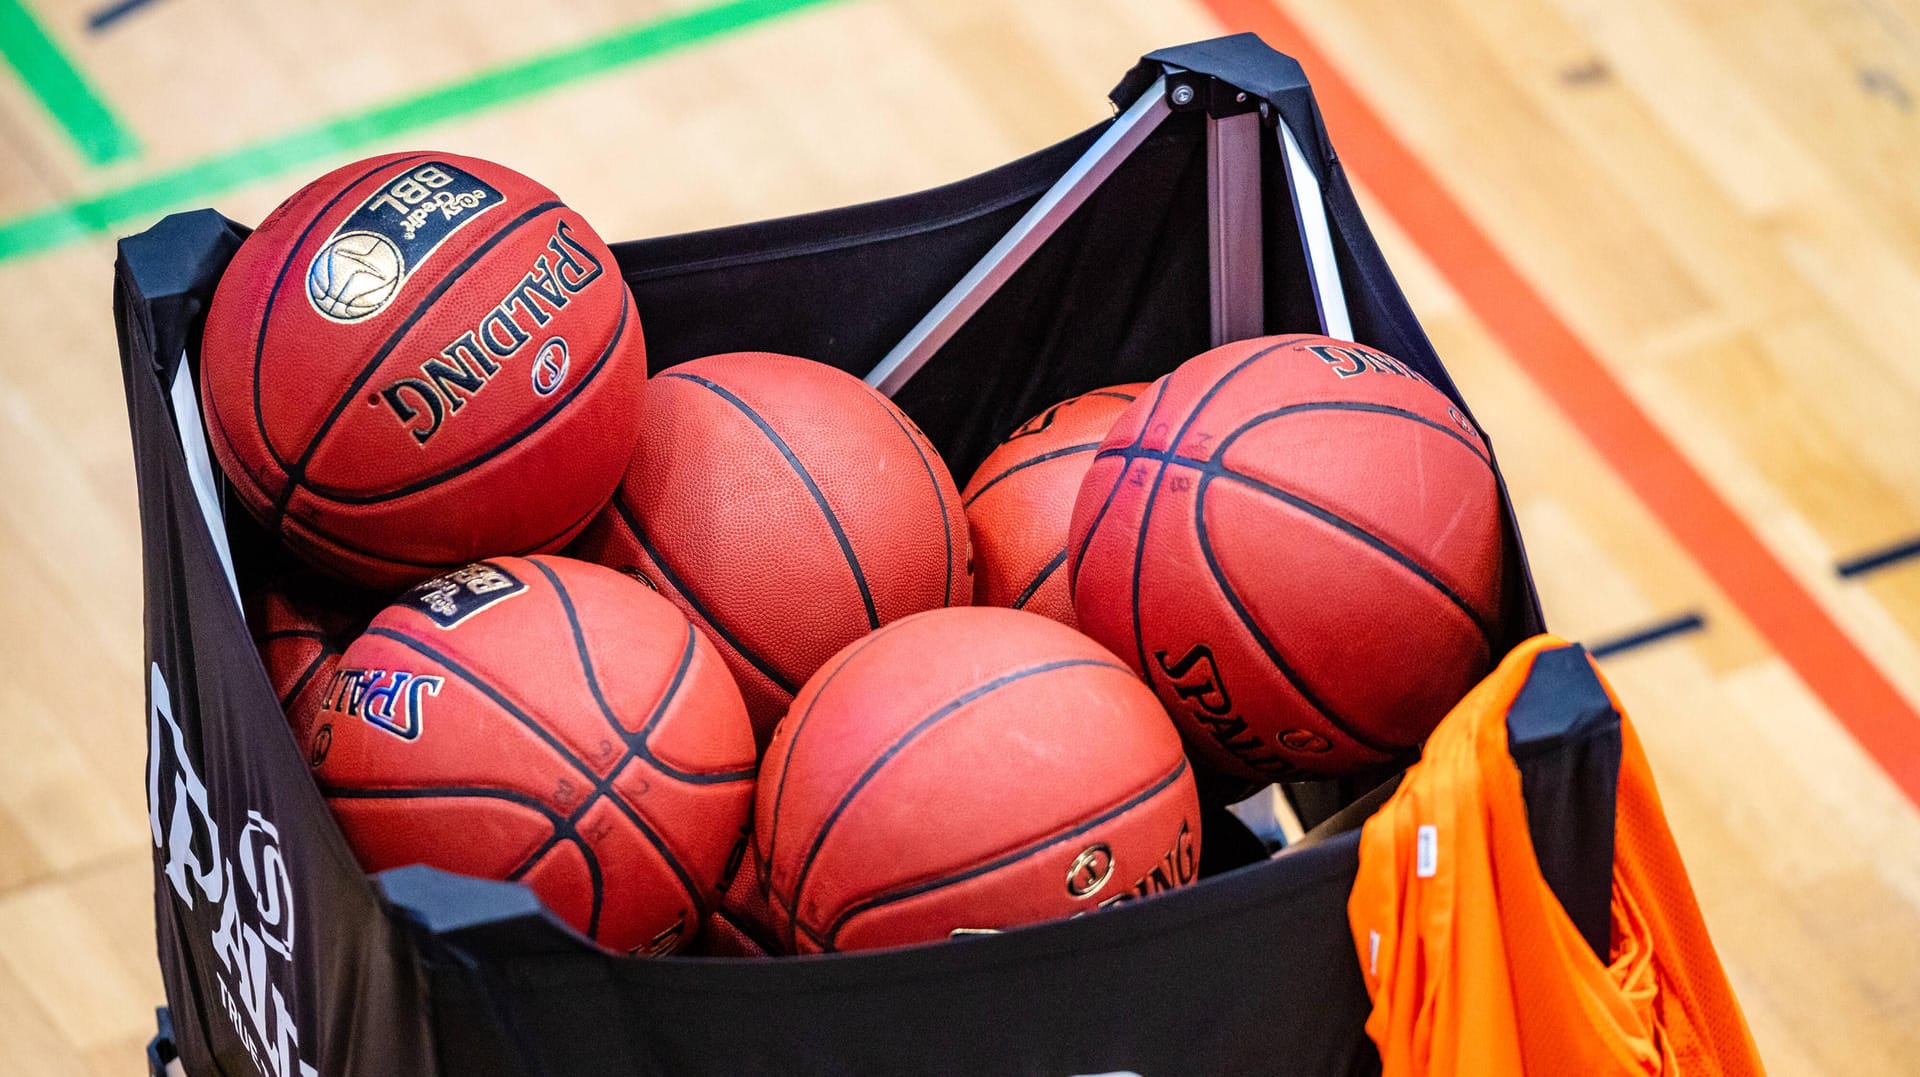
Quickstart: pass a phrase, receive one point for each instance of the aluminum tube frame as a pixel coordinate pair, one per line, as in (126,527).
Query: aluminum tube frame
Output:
(1114,146)
(1236,238)
(1310,212)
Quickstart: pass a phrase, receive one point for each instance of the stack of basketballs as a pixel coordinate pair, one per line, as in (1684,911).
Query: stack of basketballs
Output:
(721,659)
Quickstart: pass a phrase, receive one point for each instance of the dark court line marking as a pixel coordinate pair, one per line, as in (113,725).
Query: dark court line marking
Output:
(1878,559)
(1653,633)
(112,13)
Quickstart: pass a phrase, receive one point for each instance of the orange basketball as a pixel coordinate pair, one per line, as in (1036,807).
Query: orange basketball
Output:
(302,624)
(1020,502)
(417,360)
(1299,542)
(548,721)
(966,770)
(789,510)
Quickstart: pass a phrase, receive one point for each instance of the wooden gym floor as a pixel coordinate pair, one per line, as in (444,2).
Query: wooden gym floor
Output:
(1670,249)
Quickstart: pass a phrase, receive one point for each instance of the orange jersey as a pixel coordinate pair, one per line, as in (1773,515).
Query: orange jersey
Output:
(1473,966)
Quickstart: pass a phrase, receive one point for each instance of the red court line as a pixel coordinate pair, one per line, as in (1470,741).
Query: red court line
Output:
(1720,542)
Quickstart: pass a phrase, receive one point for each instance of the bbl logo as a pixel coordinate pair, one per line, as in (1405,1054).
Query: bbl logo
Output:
(460,594)
(360,268)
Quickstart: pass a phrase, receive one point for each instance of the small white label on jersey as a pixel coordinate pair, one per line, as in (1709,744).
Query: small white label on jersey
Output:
(1373,953)
(1426,851)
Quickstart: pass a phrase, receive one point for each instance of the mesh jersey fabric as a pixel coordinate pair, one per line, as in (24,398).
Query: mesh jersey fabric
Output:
(1472,965)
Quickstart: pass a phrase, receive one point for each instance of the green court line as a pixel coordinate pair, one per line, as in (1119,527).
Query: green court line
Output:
(62,90)
(194,183)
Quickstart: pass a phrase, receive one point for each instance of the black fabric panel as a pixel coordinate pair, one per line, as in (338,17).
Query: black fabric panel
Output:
(1249,973)
(1227,844)
(1119,294)
(226,781)
(1564,736)
(841,286)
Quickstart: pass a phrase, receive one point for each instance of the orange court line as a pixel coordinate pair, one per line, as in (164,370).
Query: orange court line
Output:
(1783,611)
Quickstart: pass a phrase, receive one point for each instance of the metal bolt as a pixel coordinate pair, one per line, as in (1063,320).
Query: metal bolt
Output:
(1182,95)
(1239,99)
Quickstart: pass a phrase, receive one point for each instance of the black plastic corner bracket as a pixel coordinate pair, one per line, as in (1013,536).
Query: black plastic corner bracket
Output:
(1189,91)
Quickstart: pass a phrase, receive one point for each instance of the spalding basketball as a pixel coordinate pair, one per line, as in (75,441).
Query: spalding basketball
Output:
(1020,501)
(417,360)
(968,770)
(547,721)
(1298,541)
(788,509)
(301,624)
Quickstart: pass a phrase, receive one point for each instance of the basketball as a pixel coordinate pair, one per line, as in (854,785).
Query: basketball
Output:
(1020,501)
(968,770)
(547,721)
(417,360)
(1298,542)
(788,509)
(301,624)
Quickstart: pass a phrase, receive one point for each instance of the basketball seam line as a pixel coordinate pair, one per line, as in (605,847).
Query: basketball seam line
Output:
(500,698)
(601,787)
(1041,577)
(1218,460)
(946,525)
(1050,454)
(765,859)
(563,826)
(637,740)
(296,477)
(1153,492)
(908,737)
(1158,786)
(1086,540)
(1048,416)
(813,488)
(492,452)
(672,579)
(306,675)
(1366,407)
(635,748)
(572,819)
(294,633)
(1212,469)
(218,438)
(1286,670)
(360,551)
(273,297)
